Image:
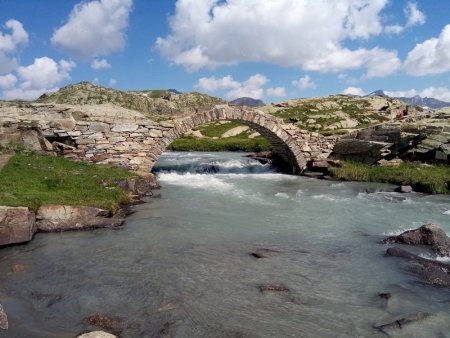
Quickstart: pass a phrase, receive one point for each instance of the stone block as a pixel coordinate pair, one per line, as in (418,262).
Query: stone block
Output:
(17,225)
(99,127)
(125,127)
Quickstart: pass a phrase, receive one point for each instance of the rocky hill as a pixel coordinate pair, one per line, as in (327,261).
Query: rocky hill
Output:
(152,103)
(337,114)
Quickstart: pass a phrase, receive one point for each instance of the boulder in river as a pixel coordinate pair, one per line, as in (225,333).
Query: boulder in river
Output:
(107,322)
(3,319)
(17,225)
(54,217)
(427,234)
(431,272)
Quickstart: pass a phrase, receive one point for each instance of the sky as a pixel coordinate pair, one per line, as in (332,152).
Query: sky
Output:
(272,50)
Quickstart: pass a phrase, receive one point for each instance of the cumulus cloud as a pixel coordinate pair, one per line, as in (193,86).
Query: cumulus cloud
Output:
(353,91)
(276,91)
(252,87)
(7,81)
(304,82)
(431,56)
(100,64)
(41,76)
(414,15)
(9,43)
(94,28)
(305,33)
(440,93)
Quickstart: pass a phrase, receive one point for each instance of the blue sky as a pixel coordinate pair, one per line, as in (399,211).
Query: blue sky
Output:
(272,49)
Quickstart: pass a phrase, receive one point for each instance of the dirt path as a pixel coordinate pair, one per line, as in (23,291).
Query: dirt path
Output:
(4,158)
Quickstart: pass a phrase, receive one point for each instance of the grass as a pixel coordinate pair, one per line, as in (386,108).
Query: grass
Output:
(190,143)
(433,179)
(216,129)
(32,180)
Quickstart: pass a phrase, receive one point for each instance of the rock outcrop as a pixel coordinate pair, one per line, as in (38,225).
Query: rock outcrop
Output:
(55,217)
(427,234)
(17,225)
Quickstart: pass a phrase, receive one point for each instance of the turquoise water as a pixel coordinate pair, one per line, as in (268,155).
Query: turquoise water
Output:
(181,266)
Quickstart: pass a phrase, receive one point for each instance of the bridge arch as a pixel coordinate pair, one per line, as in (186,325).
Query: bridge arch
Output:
(285,142)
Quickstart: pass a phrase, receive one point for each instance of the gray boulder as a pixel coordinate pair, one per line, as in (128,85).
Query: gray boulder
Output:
(17,225)
(54,217)
(427,234)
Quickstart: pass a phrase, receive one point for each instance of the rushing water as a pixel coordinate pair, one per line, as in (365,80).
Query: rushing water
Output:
(181,266)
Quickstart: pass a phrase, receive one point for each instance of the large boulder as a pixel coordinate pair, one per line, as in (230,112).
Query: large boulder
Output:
(427,234)
(17,225)
(3,319)
(54,217)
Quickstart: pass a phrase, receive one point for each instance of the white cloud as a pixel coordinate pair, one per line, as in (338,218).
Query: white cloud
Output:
(431,56)
(9,43)
(211,84)
(276,91)
(112,82)
(353,91)
(440,93)
(252,87)
(94,28)
(304,82)
(7,81)
(414,15)
(41,76)
(304,33)
(100,64)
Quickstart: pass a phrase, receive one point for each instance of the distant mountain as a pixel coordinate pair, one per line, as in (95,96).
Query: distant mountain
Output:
(425,102)
(378,92)
(415,100)
(174,91)
(247,101)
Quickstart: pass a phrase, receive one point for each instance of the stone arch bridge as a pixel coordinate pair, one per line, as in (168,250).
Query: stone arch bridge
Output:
(138,143)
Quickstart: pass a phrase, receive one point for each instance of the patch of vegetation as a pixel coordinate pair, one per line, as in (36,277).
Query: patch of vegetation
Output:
(434,179)
(217,129)
(32,180)
(190,143)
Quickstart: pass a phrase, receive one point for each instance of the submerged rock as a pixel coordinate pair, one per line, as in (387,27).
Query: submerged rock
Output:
(427,234)
(53,217)
(106,322)
(17,225)
(3,319)
(273,288)
(97,334)
(398,323)
(17,268)
(432,272)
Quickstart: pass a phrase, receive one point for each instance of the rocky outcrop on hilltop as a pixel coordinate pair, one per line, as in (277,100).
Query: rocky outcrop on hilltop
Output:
(151,103)
(421,136)
(337,113)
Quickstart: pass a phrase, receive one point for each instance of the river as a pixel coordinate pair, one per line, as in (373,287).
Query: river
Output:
(181,265)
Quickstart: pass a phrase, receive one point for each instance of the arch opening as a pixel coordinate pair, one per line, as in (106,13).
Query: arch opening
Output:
(287,155)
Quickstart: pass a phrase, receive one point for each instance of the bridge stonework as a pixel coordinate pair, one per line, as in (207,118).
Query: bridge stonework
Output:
(137,144)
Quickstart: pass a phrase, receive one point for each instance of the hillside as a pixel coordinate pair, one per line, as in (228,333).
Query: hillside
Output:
(337,113)
(152,103)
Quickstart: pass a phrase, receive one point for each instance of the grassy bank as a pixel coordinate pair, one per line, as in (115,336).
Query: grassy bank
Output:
(431,179)
(32,180)
(191,143)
